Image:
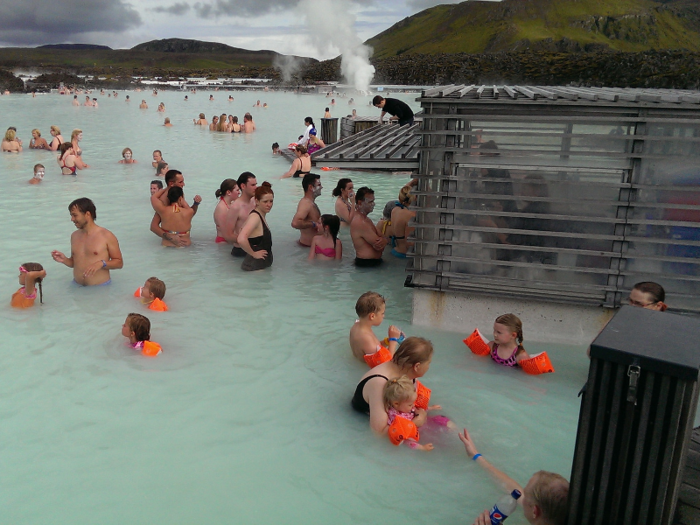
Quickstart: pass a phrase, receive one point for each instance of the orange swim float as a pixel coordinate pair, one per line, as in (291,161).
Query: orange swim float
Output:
(137,293)
(402,429)
(377,358)
(477,343)
(151,349)
(537,364)
(423,399)
(158,305)
(328,168)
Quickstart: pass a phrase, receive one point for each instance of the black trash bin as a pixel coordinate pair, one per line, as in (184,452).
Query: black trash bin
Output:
(636,419)
(329,130)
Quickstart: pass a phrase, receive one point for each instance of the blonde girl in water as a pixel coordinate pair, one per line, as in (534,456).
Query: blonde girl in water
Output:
(57,139)
(31,275)
(75,139)
(507,345)
(400,403)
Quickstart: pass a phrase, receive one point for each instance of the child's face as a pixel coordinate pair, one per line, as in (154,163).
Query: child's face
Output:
(502,334)
(377,317)
(406,405)
(126,331)
(154,188)
(146,291)
(22,278)
(39,173)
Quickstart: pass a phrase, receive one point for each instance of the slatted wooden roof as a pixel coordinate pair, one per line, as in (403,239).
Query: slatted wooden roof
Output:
(386,147)
(564,94)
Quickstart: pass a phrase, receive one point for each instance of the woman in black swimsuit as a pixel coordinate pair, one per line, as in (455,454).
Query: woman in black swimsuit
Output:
(301,165)
(255,237)
(411,359)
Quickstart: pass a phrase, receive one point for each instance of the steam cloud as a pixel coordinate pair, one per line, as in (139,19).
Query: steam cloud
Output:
(288,65)
(331,25)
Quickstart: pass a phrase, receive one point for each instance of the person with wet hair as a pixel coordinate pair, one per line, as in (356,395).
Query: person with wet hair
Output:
(411,359)
(307,218)
(369,245)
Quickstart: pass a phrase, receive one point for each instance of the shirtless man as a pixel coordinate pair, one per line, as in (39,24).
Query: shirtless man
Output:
(75,102)
(143,105)
(239,211)
(157,158)
(172,178)
(176,216)
(88,102)
(94,250)
(369,245)
(201,121)
(248,124)
(308,216)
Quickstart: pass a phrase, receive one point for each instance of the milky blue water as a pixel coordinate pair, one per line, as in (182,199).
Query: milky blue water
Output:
(245,418)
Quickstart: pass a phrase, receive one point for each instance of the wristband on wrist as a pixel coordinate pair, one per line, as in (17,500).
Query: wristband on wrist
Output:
(104,264)
(393,339)
(477,456)
(195,203)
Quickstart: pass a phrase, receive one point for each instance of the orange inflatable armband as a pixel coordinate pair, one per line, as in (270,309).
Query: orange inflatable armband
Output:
(151,349)
(158,305)
(402,429)
(423,399)
(477,343)
(377,358)
(537,364)
(137,293)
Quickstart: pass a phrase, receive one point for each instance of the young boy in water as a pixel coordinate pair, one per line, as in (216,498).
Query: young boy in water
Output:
(39,171)
(370,309)
(152,293)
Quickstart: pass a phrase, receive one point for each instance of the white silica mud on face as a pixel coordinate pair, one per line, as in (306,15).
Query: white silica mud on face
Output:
(246,416)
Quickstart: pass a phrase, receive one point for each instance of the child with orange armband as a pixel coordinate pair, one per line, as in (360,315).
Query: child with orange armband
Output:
(138,329)
(507,346)
(152,293)
(30,276)
(370,309)
(400,403)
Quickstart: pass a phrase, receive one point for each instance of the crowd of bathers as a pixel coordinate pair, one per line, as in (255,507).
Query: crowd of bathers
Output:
(391,392)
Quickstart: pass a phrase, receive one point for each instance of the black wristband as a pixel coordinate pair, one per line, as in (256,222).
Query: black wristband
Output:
(195,203)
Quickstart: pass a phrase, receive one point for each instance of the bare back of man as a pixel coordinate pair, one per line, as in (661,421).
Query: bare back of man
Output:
(175,217)
(235,218)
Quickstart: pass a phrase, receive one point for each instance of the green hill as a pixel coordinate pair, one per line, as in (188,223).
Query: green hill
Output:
(547,25)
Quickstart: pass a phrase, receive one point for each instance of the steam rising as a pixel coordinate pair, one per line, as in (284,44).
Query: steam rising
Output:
(332,26)
(288,65)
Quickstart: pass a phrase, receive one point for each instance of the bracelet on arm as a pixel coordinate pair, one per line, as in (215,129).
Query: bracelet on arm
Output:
(194,204)
(104,264)
(477,456)
(393,339)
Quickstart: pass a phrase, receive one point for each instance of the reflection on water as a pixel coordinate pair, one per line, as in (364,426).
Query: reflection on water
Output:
(251,395)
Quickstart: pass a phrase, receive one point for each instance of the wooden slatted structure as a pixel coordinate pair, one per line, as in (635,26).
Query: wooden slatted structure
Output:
(386,147)
(688,508)
(559,193)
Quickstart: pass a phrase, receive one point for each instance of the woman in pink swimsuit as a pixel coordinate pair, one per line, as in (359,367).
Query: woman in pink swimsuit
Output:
(327,246)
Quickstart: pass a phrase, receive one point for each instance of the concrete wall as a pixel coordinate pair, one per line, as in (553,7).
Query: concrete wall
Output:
(543,322)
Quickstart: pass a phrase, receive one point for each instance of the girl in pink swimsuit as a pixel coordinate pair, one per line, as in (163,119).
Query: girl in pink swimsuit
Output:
(507,345)
(327,246)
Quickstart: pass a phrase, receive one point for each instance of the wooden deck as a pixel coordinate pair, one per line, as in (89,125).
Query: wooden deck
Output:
(688,508)
(386,147)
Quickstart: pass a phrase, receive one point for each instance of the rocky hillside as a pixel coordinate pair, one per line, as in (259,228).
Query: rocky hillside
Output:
(554,25)
(657,69)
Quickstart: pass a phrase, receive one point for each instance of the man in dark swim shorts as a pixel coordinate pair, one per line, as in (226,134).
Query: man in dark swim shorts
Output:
(369,245)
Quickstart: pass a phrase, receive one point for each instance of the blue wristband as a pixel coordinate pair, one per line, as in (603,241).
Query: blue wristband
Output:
(477,456)
(393,339)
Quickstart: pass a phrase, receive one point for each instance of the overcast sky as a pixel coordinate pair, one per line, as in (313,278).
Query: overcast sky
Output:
(250,24)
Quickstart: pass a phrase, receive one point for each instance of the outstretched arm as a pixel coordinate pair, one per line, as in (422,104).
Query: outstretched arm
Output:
(503,479)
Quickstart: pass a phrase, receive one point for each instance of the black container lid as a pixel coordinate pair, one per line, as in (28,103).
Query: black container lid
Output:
(660,342)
